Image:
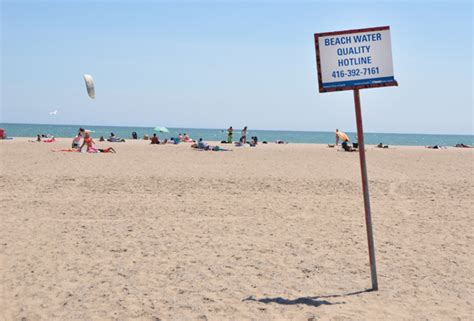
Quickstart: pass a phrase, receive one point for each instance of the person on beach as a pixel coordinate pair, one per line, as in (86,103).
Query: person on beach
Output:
(107,150)
(114,139)
(462,145)
(89,142)
(201,145)
(154,140)
(345,141)
(177,140)
(76,141)
(230,131)
(342,136)
(99,150)
(243,138)
(253,141)
(186,138)
(436,147)
(37,140)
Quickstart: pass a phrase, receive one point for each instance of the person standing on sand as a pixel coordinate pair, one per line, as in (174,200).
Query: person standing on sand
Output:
(243,138)
(229,135)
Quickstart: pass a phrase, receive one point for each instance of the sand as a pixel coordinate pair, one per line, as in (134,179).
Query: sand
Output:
(275,232)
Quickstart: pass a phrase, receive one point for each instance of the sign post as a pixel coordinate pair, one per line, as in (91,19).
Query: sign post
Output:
(354,60)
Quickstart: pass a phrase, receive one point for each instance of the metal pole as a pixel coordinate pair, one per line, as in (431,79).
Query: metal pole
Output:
(365,187)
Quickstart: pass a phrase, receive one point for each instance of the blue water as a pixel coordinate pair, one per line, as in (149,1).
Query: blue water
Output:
(31,130)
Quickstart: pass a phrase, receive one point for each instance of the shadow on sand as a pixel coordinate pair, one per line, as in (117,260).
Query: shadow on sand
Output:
(314,301)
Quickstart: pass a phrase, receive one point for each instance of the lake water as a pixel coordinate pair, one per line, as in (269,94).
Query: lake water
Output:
(31,130)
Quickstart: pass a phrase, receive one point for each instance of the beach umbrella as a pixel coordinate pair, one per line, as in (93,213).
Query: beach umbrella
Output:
(161,129)
(343,136)
(89,85)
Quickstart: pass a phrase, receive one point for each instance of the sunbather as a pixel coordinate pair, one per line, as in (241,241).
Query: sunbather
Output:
(201,145)
(346,147)
(49,140)
(462,146)
(76,142)
(114,139)
(154,140)
(107,150)
(186,138)
(89,142)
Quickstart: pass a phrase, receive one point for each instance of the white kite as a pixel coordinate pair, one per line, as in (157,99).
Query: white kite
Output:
(53,113)
(89,85)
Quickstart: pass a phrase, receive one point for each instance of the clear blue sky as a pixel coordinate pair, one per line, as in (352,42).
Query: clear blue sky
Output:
(214,64)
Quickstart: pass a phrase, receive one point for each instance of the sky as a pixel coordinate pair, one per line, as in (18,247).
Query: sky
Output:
(209,64)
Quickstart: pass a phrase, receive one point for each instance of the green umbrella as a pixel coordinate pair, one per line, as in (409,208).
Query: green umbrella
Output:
(161,129)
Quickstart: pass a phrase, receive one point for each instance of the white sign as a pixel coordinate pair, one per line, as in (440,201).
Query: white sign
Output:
(354,58)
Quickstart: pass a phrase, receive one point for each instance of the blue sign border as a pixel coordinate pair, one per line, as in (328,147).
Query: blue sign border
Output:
(359,82)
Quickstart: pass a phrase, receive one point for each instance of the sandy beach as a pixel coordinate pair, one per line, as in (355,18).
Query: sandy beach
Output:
(275,232)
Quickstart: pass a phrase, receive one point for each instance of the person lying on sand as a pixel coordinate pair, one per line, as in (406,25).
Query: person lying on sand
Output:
(462,146)
(201,145)
(380,145)
(436,147)
(107,150)
(98,150)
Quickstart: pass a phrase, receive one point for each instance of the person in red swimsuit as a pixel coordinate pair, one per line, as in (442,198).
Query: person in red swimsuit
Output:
(89,142)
